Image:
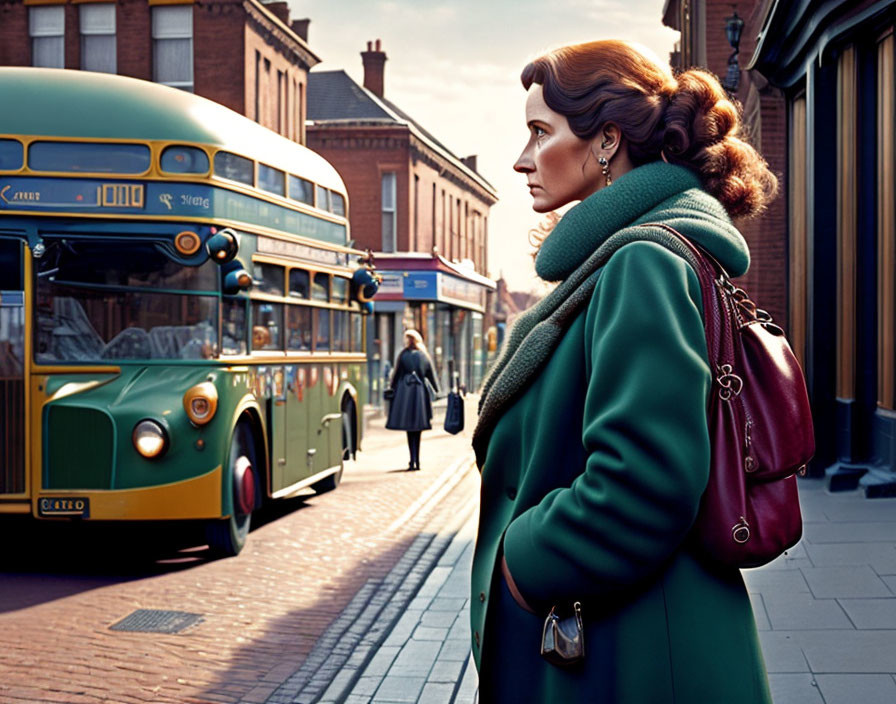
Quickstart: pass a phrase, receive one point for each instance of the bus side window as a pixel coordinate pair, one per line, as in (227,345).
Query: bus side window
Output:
(298,283)
(267,324)
(233,333)
(321,289)
(340,331)
(268,278)
(298,328)
(321,330)
(357,338)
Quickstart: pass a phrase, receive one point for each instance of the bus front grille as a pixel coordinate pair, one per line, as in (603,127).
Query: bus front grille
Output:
(79,446)
(12,435)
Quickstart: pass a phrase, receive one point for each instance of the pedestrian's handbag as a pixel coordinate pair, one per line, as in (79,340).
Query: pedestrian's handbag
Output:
(563,639)
(454,413)
(760,427)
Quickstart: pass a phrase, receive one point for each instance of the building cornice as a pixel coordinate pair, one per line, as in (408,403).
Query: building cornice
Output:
(278,34)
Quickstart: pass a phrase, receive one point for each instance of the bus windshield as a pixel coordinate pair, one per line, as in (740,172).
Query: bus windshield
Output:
(103,300)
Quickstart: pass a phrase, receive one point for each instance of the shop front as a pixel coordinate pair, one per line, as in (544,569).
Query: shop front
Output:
(441,300)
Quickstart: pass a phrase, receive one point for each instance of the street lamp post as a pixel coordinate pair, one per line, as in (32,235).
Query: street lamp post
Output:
(734,26)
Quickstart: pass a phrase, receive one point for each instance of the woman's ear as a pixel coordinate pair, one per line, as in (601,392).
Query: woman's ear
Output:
(606,142)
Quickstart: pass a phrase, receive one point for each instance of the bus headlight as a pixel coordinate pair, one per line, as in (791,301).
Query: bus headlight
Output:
(201,402)
(150,439)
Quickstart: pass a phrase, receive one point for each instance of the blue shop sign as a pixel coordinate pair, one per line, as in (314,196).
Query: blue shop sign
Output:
(421,285)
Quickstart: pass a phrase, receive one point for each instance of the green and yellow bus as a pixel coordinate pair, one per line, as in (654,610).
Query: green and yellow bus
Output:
(181,330)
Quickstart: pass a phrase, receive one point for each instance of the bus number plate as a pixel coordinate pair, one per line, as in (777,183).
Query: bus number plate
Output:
(64,506)
(120,195)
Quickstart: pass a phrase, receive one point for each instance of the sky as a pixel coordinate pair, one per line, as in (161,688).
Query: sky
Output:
(455,66)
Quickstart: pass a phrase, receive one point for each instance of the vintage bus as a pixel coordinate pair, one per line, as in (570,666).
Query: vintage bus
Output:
(181,331)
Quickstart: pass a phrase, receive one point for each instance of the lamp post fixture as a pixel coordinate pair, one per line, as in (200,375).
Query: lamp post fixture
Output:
(734,25)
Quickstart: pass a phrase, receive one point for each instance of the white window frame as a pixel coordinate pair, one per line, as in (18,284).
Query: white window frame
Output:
(47,15)
(160,35)
(95,22)
(388,192)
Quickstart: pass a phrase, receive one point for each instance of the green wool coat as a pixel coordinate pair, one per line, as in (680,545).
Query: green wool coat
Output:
(592,477)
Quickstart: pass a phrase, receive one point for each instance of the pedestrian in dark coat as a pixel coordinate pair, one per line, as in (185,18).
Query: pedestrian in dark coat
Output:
(592,437)
(413,385)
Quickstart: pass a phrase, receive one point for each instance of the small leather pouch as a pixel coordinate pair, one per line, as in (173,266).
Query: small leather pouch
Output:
(563,639)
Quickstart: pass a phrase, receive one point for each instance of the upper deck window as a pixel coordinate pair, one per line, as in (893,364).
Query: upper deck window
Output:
(235,168)
(299,286)
(172,45)
(323,198)
(89,157)
(337,203)
(271,180)
(268,278)
(184,160)
(98,37)
(46,25)
(301,190)
(12,155)
(320,287)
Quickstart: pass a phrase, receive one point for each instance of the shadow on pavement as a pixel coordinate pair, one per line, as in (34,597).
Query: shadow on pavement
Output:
(41,561)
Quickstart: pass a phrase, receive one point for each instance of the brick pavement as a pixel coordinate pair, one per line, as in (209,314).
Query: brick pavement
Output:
(62,586)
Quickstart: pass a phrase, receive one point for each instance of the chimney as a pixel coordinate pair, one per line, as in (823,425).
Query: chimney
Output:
(470,162)
(280,9)
(374,65)
(300,27)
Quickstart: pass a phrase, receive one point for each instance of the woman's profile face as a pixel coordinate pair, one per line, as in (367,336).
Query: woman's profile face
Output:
(559,166)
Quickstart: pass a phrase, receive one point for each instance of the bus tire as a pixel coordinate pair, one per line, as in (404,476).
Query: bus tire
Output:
(227,536)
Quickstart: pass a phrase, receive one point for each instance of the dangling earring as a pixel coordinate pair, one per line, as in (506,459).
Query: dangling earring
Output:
(605,169)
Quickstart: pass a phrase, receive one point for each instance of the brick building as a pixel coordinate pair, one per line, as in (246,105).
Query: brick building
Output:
(704,44)
(423,210)
(819,94)
(189,45)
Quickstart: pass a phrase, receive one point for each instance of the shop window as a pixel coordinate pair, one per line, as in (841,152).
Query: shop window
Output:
(98,37)
(298,328)
(267,323)
(46,25)
(172,45)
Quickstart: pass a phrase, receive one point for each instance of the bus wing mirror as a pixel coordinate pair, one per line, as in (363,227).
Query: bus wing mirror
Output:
(222,246)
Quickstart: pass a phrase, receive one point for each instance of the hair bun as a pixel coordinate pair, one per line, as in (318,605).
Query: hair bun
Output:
(702,130)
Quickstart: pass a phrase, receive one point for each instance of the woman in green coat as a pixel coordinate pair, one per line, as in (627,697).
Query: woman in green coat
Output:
(592,438)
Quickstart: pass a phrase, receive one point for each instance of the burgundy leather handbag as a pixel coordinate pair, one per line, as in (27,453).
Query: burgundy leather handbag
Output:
(760,426)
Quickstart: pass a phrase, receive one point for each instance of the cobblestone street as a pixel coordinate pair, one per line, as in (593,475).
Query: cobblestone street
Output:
(261,613)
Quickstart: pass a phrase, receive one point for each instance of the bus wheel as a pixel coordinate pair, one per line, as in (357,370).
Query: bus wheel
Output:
(226,537)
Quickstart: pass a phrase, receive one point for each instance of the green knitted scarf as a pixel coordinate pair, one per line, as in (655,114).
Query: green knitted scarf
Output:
(574,252)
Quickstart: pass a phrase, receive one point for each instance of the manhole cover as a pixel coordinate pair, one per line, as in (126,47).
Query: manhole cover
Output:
(156,621)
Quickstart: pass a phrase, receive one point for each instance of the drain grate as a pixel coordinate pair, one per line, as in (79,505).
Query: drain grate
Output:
(156,621)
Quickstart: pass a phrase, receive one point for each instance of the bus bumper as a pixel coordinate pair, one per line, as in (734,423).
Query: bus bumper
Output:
(199,497)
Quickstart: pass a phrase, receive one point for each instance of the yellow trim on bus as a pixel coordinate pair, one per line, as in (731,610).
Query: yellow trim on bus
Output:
(239,225)
(74,369)
(24,507)
(199,497)
(155,173)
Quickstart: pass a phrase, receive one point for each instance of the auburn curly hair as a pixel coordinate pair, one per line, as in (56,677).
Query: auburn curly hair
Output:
(686,119)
